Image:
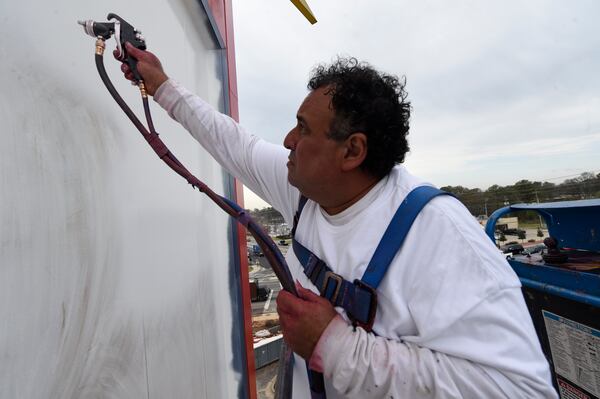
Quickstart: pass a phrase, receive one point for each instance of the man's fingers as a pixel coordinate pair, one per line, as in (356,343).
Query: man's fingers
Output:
(135,52)
(285,301)
(290,304)
(303,319)
(308,295)
(305,293)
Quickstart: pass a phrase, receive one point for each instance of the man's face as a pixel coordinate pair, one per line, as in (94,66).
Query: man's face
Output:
(314,158)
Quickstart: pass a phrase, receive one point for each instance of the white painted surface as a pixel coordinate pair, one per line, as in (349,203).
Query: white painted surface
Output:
(114,274)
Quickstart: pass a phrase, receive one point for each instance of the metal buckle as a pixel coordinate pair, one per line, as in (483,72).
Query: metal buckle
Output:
(368,326)
(338,279)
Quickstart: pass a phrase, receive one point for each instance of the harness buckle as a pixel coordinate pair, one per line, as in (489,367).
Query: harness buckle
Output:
(338,284)
(367,324)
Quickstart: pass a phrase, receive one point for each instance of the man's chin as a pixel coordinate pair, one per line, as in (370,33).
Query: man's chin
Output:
(291,180)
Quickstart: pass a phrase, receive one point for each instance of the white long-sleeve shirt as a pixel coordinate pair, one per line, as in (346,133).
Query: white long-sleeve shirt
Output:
(451,320)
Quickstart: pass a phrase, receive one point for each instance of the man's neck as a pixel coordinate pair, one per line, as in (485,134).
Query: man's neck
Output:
(354,195)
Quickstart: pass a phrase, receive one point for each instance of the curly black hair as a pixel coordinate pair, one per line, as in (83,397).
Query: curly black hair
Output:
(365,100)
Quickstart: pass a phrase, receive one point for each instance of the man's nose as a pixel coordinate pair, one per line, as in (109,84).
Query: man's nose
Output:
(290,140)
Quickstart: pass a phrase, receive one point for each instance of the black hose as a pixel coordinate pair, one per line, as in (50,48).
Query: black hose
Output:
(148,115)
(117,96)
(264,241)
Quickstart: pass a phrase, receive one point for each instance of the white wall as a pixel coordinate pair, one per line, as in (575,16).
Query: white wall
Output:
(114,275)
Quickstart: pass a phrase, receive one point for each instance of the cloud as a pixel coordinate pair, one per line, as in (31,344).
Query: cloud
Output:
(487,80)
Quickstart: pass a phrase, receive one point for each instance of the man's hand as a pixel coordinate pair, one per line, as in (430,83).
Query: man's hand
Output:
(303,319)
(148,66)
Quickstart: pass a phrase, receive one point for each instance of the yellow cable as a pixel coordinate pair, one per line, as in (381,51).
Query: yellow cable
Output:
(305,10)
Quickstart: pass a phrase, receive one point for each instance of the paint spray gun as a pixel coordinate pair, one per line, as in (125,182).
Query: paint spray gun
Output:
(123,32)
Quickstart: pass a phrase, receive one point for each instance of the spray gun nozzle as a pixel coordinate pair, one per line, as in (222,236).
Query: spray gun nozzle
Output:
(95,29)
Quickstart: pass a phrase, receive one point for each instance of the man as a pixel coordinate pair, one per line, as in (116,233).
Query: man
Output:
(451,321)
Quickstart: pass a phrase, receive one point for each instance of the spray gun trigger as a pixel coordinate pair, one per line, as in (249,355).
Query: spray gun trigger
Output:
(118,38)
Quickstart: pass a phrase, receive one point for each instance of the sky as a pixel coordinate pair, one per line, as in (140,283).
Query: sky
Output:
(500,90)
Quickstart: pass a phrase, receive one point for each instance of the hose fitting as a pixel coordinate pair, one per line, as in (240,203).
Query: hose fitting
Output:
(143,91)
(100,46)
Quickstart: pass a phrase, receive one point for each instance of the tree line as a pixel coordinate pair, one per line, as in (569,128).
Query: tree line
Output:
(267,216)
(484,202)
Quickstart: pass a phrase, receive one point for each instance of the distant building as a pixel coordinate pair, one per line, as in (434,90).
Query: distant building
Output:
(507,223)
(282,229)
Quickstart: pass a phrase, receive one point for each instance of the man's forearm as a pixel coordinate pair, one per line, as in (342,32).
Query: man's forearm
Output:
(258,164)
(220,135)
(361,364)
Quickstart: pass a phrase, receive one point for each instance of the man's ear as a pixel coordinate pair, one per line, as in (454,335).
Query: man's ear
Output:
(355,151)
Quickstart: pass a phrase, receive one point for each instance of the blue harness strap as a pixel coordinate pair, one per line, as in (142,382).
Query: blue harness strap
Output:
(396,232)
(359,298)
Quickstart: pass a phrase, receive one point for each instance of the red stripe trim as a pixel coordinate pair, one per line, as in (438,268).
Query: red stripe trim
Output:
(223,15)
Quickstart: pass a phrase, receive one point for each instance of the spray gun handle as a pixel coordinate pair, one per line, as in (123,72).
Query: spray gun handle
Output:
(132,62)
